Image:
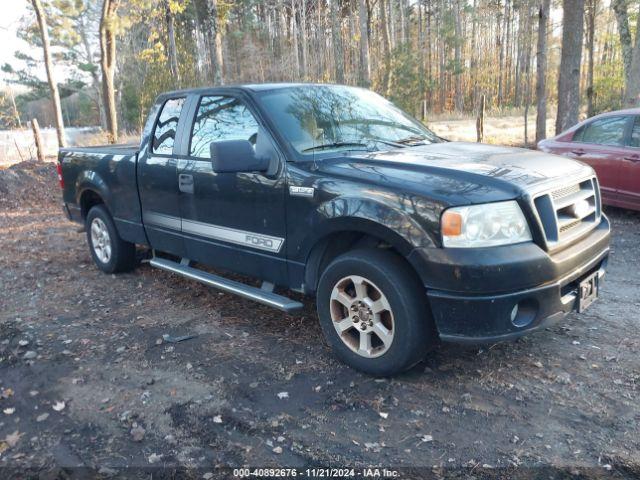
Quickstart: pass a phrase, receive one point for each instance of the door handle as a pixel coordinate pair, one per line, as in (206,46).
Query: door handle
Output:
(185,183)
(579,153)
(633,158)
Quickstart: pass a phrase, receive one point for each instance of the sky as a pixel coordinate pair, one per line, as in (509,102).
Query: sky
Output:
(12,11)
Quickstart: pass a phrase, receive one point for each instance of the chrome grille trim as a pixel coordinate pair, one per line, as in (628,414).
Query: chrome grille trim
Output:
(569,212)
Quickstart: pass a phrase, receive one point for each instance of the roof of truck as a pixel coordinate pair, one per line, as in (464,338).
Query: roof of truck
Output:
(255,87)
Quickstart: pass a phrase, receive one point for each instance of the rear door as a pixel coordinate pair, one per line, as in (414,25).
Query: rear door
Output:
(158,179)
(629,185)
(234,221)
(601,144)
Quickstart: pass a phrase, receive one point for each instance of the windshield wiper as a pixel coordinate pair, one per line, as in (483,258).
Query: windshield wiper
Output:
(324,146)
(412,140)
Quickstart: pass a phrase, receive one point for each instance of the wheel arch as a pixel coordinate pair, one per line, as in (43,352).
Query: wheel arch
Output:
(348,233)
(91,190)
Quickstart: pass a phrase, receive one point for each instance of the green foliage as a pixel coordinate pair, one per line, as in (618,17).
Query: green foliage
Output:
(405,85)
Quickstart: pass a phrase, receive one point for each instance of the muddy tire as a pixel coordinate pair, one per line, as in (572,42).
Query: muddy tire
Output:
(110,253)
(374,313)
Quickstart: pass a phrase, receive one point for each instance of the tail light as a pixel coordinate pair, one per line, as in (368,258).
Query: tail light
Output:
(60,179)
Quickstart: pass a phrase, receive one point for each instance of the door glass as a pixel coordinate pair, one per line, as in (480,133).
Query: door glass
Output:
(635,133)
(218,119)
(165,132)
(605,131)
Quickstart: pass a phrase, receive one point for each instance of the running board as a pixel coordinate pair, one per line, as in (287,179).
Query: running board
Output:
(252,293)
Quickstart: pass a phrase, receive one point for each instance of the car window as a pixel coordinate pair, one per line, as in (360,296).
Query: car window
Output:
(604,131)
(221,118)
(164,134)
(634,141)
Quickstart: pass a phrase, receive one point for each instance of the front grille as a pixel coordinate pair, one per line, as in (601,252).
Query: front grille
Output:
(567,213)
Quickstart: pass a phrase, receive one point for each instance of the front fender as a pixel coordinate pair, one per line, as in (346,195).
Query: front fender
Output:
(392,224)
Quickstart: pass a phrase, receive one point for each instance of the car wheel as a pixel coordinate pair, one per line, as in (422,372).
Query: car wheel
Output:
(373,312)
(110,253)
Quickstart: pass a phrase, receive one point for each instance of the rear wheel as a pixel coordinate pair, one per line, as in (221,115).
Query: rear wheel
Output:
(110,253)
(373,312)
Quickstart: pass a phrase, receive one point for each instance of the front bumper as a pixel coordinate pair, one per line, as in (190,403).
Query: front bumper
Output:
(482,287)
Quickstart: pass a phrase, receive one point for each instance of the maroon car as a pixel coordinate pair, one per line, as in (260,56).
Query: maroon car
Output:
(610,143)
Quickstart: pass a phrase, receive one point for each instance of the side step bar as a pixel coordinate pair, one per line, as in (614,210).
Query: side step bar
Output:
(252,293)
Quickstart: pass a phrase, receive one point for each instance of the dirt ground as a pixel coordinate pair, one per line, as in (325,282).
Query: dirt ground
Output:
(88,385)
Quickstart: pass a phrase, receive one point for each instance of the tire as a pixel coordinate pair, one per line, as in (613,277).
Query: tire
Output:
(382,291)
(110,253)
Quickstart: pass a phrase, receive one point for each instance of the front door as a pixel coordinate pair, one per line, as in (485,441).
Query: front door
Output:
(158,180)
(600,144)
(629,185)
(235,221)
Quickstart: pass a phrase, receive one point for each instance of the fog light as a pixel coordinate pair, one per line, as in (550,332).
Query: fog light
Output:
(524,313)
(514,313)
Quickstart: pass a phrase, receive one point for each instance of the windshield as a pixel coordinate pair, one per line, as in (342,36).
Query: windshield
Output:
(326,118)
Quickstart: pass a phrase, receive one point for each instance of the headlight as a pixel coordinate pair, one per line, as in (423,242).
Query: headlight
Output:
(485,225)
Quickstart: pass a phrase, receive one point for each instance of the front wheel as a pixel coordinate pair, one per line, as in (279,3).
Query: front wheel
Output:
(373,312)
(110,253)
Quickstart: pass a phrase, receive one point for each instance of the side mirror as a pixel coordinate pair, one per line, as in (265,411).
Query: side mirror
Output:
(232,156)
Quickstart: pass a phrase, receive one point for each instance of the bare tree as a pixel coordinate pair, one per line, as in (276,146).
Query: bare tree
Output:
(569,77)
(215,42)
(364,72)
(108,65)
(336,39)
(53,86)
(541,71)
(171,43)
(591,7)
(630,53)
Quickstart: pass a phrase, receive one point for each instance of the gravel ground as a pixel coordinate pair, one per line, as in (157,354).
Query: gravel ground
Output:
(88,385)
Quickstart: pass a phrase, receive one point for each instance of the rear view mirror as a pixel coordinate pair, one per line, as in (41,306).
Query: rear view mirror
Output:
(236,156)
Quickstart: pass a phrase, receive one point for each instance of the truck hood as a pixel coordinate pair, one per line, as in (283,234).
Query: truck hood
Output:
(459,172)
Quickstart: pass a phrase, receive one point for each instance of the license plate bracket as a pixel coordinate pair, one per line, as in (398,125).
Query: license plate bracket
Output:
(588,291)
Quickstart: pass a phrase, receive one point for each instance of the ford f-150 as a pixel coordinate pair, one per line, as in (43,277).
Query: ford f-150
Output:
(403,238)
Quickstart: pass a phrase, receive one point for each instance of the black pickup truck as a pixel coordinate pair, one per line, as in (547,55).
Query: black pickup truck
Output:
(403,238)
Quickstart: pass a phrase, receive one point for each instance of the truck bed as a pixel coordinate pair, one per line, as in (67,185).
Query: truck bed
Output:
(119,149)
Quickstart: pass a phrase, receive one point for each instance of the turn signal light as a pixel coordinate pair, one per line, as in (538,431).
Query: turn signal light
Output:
(451,223)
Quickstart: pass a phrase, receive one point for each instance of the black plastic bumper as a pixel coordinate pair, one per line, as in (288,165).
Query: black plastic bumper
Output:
(480,306)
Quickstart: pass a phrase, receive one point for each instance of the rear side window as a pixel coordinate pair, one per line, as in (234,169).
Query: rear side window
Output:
(164,135)
(634,141)
(604,131)
(221,118)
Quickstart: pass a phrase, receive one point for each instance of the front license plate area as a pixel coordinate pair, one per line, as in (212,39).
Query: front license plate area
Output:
(588,292)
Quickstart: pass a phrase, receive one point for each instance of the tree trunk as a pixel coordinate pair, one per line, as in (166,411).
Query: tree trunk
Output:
(364,71)
(336,37)
(632,87)
(215,43)
(620,7)
(541,71)
(457,55)
(173,55)
(37,138)
(592,6)
(53,86)
(303,37)
(108,64)
(386,50)
(569,77)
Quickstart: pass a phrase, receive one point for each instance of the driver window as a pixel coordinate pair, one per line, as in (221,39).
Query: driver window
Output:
(221,118)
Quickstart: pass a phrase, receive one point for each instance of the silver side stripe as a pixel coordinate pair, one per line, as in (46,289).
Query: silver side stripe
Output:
(161,220)
(216,232)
